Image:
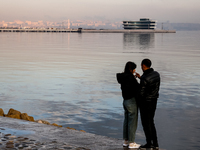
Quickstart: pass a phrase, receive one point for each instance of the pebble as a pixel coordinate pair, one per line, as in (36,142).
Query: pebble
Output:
(12,142)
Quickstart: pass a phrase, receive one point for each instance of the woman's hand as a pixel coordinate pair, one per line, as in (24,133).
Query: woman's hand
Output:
(137,75)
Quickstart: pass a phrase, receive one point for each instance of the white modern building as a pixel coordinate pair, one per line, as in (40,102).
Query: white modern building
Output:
(144,23)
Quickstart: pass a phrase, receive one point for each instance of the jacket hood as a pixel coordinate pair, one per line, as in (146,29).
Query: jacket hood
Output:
(122,77)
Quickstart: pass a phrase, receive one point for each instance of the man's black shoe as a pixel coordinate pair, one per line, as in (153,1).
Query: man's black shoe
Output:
(156,147)
(147,146)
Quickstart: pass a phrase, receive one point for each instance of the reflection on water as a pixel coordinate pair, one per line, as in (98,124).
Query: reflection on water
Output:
(138,41)
(70,79)
(5,130)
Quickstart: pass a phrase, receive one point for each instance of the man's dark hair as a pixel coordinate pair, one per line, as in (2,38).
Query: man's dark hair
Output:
(146,62)
(129,66)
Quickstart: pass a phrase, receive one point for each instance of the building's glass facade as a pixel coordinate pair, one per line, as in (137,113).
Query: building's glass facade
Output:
(144,23)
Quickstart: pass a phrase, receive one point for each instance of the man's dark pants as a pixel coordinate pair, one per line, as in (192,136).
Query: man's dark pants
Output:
(147,112)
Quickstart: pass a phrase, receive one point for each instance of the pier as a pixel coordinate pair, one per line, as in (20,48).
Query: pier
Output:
(39,30)
(89,30)
(129,31)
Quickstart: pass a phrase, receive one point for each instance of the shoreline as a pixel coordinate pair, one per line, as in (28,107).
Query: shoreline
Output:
(20,131)
(22,134)
(54,136)
(12,113)
(87,31)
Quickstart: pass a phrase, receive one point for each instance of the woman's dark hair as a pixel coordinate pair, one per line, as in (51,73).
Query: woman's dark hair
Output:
(146,62)
(129,66)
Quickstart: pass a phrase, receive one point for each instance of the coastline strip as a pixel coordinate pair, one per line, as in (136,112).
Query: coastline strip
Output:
(128,31)
(46,133)
(87,31)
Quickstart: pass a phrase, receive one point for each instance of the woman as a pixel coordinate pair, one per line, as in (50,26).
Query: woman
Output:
(130,89)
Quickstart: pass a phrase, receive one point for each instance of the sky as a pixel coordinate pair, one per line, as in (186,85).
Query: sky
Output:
(174,11)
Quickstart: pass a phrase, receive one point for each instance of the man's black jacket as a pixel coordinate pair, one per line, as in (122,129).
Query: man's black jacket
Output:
(150,84)
(129,85)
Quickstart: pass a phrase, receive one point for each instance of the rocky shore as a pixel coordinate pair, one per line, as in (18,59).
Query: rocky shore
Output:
(12,142)
(20,131)
(12,113)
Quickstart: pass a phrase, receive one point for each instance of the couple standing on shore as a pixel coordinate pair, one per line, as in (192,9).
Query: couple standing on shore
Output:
(143,96)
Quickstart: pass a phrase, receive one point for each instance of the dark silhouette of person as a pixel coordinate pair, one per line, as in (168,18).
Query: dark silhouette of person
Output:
(130,90)
(149,93)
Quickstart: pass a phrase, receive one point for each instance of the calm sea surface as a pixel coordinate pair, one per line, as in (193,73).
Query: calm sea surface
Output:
(70,79)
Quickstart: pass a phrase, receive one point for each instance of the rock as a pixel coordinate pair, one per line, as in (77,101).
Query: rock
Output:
(21,139)
(1,112)
(17,144)
(26,143)
(31,118)
(81,148)
(9,145)
(14,114)
(67,147)
(10,142)
(17,116)
(29,144)
(7,134)
(82,130)
(3,139)
(24,116)
(1,136)
(54,124)
(6,137)
(54,142)
(12,137)
(42,121)
(39,121)
(71,128)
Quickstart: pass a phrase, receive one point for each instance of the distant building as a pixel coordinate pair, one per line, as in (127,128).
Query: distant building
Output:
(68,24)
(144,23)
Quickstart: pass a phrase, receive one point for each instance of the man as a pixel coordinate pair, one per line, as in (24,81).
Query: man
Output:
(150,84)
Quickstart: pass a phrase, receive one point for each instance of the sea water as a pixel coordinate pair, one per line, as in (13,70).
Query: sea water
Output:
(70,79)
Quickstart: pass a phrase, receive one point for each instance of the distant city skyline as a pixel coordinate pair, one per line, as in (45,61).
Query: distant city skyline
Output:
(90,24)
(179,11)
(87,24)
